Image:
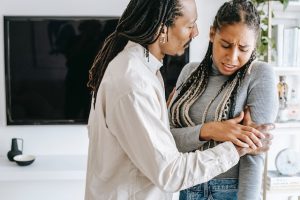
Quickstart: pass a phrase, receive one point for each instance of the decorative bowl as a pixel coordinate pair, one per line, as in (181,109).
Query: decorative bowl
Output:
(24,160)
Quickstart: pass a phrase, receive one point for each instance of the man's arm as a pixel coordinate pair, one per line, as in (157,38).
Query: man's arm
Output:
(136,124)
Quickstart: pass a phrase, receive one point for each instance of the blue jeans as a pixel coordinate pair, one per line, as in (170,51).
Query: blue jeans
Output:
(216,189)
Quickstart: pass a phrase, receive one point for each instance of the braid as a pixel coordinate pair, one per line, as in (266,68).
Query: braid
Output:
(139,23)
(232,12)
(194,86)
(240,76)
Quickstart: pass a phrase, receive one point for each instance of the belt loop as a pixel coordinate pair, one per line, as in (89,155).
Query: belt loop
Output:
(205,188)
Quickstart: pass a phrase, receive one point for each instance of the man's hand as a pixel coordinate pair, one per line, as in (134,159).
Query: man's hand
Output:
(266,143)
(264,128)
(242,150)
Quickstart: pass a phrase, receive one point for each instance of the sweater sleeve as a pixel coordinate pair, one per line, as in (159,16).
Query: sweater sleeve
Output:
(187,138)
(263,102)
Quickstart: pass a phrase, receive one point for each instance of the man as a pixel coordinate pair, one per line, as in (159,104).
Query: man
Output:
(132,154)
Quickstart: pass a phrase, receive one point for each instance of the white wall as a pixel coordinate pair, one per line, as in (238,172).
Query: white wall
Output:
(43,140)
(66,139)
(206,13)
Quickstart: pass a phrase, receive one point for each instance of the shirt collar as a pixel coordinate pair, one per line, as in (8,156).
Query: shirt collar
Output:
(152,63)
(214,70)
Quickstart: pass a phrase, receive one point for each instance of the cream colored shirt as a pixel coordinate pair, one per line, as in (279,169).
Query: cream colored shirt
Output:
(132,153)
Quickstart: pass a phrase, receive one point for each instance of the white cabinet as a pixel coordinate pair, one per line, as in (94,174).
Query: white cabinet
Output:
(286,134)
(48,178)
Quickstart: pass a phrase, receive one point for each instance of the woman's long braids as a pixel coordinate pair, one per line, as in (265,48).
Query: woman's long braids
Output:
(232,12)
(140,23)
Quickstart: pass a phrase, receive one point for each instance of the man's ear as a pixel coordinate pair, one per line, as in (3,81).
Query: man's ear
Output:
(212,33)
(162,30)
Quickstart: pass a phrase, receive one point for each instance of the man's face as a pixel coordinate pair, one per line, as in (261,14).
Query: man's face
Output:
(182,31)
(232,47)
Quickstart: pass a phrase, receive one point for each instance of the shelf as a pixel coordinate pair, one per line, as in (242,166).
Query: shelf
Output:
(291,12)
(288,125)
(292,6)
(287,70)
(286,191)
(54,167)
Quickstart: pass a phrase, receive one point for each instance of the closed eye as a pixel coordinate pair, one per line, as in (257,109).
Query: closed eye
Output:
(192,25)
(225,46)
(244,50)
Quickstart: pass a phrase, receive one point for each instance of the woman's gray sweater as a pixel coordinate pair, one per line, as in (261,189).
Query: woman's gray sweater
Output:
(258,91)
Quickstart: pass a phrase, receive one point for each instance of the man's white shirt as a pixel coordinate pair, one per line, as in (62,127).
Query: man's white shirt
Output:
(132,153)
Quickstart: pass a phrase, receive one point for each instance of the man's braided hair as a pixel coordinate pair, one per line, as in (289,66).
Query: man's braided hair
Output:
(140,23)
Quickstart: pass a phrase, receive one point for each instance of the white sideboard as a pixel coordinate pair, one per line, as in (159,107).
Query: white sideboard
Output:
(54,177)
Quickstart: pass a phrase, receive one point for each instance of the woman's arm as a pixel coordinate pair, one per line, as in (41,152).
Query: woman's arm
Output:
(263,103)
(191,138)
(187,138)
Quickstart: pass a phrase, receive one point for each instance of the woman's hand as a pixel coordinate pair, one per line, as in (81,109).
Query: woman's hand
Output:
(231,130)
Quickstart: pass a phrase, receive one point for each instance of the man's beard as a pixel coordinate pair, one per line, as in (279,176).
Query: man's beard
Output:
(188,43)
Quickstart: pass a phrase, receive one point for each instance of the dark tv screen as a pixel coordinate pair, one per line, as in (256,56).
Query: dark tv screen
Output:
(46,67)
(47,60)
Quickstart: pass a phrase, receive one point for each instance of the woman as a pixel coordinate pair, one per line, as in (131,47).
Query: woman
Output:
(132,153)
(209,97)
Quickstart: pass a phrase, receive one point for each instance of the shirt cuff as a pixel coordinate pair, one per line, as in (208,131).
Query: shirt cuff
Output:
(229,157)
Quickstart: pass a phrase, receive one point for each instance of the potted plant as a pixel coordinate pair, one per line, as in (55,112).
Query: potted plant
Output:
(265,39)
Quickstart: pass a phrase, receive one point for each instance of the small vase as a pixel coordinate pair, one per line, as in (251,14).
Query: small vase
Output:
(14,151)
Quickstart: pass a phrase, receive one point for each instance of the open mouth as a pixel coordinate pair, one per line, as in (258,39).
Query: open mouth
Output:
(229,67)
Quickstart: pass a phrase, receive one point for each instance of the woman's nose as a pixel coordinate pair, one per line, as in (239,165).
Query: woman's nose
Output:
(233,55)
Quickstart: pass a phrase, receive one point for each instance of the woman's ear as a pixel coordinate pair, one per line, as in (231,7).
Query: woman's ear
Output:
(212,33)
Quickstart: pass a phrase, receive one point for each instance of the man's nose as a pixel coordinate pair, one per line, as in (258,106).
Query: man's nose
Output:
(195,31)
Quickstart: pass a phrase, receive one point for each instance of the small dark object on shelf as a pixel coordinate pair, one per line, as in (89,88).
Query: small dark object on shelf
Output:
(14,151)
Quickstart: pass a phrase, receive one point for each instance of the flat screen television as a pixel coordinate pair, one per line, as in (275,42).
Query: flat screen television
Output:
(46,67)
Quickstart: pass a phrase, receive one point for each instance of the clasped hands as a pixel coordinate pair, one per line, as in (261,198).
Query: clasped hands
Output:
(248,137)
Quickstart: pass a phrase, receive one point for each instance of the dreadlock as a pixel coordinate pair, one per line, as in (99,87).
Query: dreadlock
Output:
(140,22)
(232,12)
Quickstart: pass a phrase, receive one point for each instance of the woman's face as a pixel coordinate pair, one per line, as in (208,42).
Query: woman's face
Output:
(232,47)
